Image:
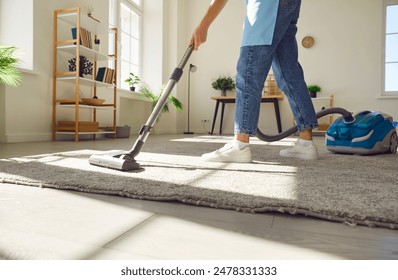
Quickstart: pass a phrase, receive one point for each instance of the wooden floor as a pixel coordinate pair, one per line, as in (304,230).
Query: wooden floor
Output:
(37,223)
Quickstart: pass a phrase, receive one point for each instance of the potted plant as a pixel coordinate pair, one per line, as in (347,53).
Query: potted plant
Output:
(89,10)
(9,73)
(313,89)
(133,80)
(154,98)
(223,83)
(97,43)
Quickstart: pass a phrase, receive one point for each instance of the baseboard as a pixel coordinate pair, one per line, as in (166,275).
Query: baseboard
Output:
(23,138)
(158,131)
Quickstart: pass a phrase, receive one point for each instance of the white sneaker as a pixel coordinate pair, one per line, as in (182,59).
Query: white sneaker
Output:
(300,151)
(233,151)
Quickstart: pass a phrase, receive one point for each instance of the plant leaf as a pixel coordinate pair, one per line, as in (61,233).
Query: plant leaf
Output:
(9,73)
(155,98)
(177,103)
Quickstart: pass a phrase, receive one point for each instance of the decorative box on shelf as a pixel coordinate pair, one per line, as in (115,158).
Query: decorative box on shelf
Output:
(270,87)
(83,126)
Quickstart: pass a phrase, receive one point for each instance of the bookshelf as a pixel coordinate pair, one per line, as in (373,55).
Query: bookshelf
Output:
(75,36)
(319,104)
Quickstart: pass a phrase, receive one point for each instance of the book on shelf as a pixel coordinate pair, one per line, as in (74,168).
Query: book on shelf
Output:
(105,74)
(85,37)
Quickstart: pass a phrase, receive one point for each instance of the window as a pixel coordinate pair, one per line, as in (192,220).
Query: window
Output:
(18,30)
(390,47)
(127,15)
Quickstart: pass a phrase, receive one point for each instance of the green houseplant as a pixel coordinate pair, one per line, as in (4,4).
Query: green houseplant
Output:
(154,98)
(314,89)
(9,73)
(223,83)
(133,80)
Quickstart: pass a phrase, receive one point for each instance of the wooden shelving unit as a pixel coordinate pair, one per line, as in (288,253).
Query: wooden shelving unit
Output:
(65,45)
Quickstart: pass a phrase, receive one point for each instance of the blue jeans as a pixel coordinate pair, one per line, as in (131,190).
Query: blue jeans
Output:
(254,64)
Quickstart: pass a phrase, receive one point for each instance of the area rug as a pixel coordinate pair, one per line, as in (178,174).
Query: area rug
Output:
(357,190)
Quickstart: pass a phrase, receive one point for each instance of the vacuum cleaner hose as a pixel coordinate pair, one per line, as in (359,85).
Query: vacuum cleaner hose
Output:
(348,118)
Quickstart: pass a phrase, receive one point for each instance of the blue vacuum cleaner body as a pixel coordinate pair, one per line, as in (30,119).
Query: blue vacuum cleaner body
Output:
(370,133)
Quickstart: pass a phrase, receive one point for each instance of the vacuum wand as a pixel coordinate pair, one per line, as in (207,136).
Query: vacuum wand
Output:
(126,161)
(146,128)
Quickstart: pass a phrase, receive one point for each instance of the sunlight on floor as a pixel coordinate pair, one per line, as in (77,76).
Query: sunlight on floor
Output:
(225,139)
(197,239)
(259,179)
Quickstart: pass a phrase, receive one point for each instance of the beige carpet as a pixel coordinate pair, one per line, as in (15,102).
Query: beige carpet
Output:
(344,188)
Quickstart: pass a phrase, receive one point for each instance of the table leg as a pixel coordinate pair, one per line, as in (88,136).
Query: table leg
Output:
(215,117)
(278,115)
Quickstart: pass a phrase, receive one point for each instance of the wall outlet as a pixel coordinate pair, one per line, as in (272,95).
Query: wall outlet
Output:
(205,121)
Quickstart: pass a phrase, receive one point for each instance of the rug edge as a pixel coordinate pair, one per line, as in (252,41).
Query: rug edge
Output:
(277,209)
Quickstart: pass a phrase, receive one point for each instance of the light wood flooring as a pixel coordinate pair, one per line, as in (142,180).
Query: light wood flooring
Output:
(37,223)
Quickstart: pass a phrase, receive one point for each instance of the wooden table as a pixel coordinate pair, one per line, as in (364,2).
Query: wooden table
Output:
(231,99)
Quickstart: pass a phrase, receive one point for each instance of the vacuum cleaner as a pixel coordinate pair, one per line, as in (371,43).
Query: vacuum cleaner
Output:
(365,133)
(371,133)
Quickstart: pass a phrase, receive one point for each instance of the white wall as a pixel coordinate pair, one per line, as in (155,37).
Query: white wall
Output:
(2,114)
(27,108)
(345,61)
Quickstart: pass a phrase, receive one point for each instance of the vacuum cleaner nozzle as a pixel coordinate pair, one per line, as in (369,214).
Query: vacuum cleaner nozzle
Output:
(122,162)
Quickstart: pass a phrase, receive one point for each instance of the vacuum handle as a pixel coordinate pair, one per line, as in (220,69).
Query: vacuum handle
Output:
(185,58)
(177,73)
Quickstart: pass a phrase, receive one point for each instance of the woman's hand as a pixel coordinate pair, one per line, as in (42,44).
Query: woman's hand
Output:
(198,37)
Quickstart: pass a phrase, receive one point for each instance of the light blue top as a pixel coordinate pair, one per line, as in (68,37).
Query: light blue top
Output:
(260,22)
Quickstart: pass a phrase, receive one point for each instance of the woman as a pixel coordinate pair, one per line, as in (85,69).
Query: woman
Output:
(269,38)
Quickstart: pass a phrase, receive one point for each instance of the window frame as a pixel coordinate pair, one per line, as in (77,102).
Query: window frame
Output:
(138,10)
(385,93)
